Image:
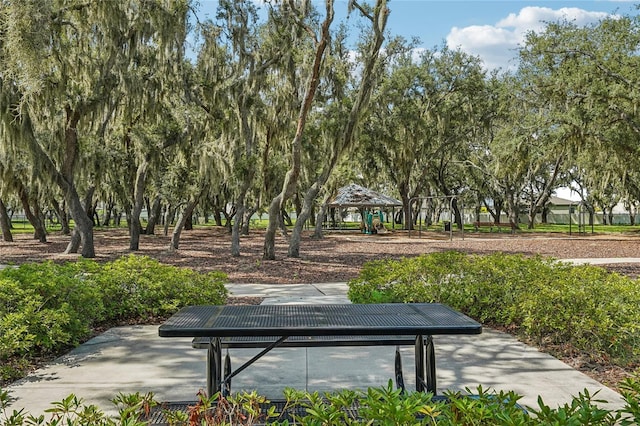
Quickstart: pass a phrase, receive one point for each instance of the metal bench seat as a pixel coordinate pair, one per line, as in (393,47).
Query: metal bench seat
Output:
(248,342)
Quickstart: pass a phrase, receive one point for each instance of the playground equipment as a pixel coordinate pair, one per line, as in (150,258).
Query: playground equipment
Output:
(373,222)
(369,204)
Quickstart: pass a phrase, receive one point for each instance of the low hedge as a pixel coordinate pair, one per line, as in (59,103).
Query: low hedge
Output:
(550,302)
(48,307)
(375,406)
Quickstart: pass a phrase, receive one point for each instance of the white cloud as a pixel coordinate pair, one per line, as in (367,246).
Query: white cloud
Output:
(497,44)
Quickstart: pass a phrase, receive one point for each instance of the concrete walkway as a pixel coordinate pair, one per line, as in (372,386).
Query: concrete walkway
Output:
(135,359)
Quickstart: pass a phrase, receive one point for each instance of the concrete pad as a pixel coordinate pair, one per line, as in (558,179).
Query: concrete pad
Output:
(326,293)
(136,359)
(288,290)
(292,300)
(499,361)
(123,359)
(602,261)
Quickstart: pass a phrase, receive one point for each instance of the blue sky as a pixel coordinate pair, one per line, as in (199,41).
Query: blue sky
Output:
(489,29)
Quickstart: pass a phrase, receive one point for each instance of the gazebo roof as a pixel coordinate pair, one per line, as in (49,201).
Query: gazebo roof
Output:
(358,196)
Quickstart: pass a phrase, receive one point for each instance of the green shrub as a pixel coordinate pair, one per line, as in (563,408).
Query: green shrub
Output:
(375,406)
(141,287)
(588,308)
(46,307)
(592,310)
(415,279)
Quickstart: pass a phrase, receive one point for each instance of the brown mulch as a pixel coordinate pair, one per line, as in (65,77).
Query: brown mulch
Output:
(335,258)
(338,257)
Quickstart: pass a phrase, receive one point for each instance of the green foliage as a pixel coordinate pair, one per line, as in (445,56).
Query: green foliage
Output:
(553,303)
(410,280)
(389,406)
(375,406)
(141,287)
(630,389)
(46,307)
(485,407)
(581,411)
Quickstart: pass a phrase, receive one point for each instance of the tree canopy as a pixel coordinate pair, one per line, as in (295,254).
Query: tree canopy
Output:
(119,108)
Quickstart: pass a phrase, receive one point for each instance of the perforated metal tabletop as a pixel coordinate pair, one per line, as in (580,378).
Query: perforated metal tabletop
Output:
(318,320)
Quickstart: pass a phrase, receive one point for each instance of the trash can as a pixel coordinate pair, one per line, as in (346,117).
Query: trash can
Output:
(447,226)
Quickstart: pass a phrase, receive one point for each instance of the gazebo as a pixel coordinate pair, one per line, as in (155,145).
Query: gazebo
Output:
(368,200)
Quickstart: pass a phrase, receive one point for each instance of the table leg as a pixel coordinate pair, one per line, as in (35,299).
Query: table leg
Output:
(430,353)
(226,384)
(399,376)
(425,358)
(420,363)
(214,366)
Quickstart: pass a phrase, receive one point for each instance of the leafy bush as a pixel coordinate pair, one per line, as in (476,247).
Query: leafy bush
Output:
(141,287)
(47,307)
(375,406)
(551,302)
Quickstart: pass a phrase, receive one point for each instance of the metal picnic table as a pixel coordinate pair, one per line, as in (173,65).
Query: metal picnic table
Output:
(270,326)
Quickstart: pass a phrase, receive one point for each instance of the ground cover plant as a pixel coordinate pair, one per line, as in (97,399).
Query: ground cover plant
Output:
(375,406)
(46,308)
(556,305)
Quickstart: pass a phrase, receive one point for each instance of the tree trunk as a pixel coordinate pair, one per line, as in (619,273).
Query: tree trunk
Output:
(305,212)
(366,86)
(322,213)
(154,215)
(228,217)
(83,231)
(64,177)
(41,217)
(134,233)
(545,215)
(408,211)
(312,219)
(235,233)
(39,233)
(108,212)
(5,224)
(298,206)
(74,242)
(177,230)
(217,217)
(63,217)
(239,215)
(291,178)
(531,217)
(318,232)
(457,216)
(269,252)
(496,211)
(246,222)
(513,210)
(88,202)
(286,219)
(135,227)
(169,215)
